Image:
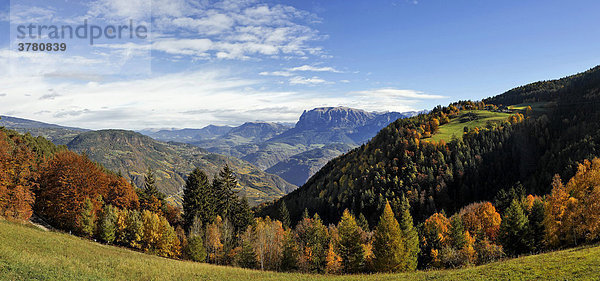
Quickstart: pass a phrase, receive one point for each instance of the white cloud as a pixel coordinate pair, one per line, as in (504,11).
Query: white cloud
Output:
(276,73)
(187,99)
(223,29)
(20,14)
(299,80)
(314,69)
(397,94)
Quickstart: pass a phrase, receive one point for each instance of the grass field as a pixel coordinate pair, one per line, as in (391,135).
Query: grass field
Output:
(27,253)
(456,126)
(539,107)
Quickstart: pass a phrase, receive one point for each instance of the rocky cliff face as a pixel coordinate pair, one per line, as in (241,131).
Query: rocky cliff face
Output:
(333,117)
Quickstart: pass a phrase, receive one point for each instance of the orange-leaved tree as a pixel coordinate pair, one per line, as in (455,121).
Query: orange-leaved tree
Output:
(67,179)
(17,178)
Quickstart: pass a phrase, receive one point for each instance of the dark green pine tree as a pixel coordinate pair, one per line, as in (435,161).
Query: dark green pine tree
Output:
(247,257)
(514,234)
(242,215)
(349,246)
(284,215)
(223,186)
(150,188)
(198,200)
(410,235)
(537,229)
(457,232)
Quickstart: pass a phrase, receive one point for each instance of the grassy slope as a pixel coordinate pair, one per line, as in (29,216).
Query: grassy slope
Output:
(456,125)
(27,253)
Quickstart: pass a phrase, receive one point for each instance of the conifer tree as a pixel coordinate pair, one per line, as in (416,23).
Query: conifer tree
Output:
(305,214)
(289,260)
(247,256)
(87,219)
(107,228)
(284,215)
(134,229)
(333,261)
(241,216)
(195,248)
(388,245)
(362,222)
(410,236)
(150,197)
(536,226)
(457,232)
(349,246)
(513,230)
(197,200)
(223,186)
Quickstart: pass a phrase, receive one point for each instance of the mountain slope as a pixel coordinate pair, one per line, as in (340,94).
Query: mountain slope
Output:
(246,134)
(55,133)
(28,253)
(132,154)
(445,174)
(298,168)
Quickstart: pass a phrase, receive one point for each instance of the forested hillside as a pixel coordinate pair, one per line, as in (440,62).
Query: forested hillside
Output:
(133,154)
(559,131)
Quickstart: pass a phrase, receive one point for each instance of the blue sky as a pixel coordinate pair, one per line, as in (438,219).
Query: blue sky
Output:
(228,62)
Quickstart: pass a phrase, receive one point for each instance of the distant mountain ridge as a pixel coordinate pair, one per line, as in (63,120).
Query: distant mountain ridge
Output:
(55,133)
(188,135)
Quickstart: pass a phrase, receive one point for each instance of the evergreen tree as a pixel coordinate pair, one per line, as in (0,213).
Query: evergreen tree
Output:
(242,215)
(284,215)
(513,230)
(410,236)
(197,200)
(150,197)
(247,256)
(107,228)
(87,219)
(289,260)
(150,188)
(388,245)
(134,229)
(223,187)
(536,226)
(195,248)
(349,246)
(457,232)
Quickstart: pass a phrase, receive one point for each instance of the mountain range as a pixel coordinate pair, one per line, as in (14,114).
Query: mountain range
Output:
(293,152)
